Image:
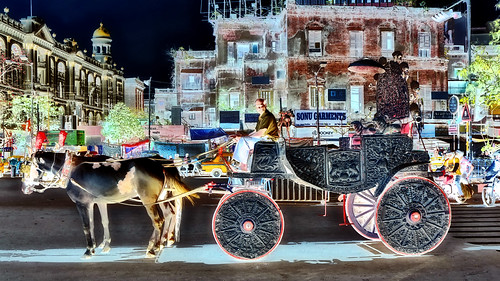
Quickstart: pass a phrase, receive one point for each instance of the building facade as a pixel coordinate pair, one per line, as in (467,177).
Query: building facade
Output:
(296,56)
(134,93)
(84,87)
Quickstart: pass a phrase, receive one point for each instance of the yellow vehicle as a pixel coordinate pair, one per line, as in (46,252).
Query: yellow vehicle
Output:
(217,166)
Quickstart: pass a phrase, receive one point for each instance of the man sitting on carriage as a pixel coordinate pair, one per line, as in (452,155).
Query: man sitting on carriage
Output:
(266,128)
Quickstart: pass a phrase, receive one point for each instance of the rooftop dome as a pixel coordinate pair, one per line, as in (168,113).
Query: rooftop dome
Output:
(101,32)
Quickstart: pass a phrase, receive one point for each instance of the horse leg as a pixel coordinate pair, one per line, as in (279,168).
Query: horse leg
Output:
(167,212)
(87,215)
(157,221)
(106,240)
(170,223)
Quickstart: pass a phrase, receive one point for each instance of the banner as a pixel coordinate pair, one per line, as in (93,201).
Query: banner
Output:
(62,138)
(326,117)
(40,138)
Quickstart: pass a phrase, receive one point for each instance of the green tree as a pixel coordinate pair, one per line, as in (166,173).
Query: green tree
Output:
(122,125)
(42,112)
(483,74)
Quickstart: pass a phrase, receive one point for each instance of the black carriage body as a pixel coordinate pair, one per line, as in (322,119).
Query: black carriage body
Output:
(355,170)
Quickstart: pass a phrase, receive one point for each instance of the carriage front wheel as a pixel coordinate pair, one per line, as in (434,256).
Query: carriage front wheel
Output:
(413,216)
(247,224)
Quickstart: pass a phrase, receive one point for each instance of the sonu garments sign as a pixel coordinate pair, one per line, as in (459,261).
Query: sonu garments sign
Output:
(326,117)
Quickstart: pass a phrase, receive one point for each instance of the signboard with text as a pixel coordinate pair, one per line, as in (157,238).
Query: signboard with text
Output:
(326,117)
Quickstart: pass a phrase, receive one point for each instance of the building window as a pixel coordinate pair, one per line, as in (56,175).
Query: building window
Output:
(234,100)
(255,48)
(387,43)
(280,74)
(356,43)
(192,116)
(211,114)
(455,69)
(241,50)
(424,44)
(315,46)
(357,99)
(274,46)
(230,53)
(267,95)
(191,81)
(312,96)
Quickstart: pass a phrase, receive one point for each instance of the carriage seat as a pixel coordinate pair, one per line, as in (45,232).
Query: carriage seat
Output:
(266,161)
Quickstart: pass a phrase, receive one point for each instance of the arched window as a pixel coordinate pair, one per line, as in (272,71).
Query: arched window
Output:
(61,78)
(3,48)
(15,51)
(91,89)
(98,91)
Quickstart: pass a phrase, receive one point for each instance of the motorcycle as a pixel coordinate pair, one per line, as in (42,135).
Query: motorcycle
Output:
(491,192)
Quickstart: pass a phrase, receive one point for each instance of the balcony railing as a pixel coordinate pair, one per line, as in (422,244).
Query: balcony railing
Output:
(379,3)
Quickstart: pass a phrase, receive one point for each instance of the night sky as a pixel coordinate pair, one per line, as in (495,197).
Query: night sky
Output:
(144,31)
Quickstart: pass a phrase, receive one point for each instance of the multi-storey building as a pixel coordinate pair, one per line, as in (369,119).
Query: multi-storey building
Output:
(134,93)
(287,54)
(194,84)
(84,87)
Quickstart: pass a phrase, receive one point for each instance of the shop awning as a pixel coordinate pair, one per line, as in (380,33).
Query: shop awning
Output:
(205,134)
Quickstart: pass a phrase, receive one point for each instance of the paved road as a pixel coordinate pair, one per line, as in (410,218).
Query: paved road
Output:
(41,238)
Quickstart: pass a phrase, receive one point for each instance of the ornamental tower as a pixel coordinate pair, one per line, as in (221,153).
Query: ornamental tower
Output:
(101,45)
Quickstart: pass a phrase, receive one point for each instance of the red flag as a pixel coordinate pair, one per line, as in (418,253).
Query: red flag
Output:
(62,138)
(40,138)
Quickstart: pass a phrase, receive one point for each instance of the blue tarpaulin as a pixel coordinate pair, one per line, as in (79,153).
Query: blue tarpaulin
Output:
(205,134)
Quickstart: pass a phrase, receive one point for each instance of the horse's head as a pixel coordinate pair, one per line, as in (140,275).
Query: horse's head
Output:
(41,162)
(31,175)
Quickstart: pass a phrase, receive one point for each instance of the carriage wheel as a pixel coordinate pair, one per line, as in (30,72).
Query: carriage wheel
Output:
(361,209)
(413,216)
(488,197)
(247,224)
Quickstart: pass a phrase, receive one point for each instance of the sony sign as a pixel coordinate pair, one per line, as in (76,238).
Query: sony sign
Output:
(326,117)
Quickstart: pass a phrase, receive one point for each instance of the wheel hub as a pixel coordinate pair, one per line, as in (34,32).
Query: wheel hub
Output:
(247,226)
(415,217)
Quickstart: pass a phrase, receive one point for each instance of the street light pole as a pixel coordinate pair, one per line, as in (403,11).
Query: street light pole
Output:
(321,65)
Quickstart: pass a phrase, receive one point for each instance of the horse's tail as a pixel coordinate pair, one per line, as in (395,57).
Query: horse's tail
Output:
(173,181)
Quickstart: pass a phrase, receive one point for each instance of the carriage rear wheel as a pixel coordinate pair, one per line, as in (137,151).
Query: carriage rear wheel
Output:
(361,210)
(413,216)
(247,224)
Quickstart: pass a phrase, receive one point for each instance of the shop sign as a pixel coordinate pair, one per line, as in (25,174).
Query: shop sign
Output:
(326,117)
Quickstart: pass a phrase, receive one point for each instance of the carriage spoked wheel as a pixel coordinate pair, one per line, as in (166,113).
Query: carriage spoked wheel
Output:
(247,224)
(413,216)
(361,211)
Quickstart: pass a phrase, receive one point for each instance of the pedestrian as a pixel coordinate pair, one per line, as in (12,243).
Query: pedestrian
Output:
(266,128)
(452,168)
(493,169)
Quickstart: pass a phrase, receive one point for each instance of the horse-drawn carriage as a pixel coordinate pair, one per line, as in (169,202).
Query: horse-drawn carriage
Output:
(407,211)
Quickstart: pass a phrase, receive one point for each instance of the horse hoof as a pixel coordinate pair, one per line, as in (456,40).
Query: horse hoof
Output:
(150,255)
(170,242)
(106,249)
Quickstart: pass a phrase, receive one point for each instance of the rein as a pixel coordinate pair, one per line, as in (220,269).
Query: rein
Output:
(196,190)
